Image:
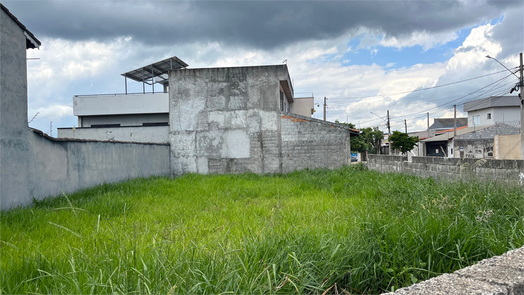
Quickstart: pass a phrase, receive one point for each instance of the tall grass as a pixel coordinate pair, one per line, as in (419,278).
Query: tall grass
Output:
(348,230)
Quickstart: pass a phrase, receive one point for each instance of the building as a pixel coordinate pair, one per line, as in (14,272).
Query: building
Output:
(494,109)
(34,166)
(144,117)
(217,120)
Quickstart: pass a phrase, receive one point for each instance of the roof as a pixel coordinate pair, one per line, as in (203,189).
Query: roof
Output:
(446,123)
(449,135)
(31,40)
(476,132)
(492,102)
(156,70)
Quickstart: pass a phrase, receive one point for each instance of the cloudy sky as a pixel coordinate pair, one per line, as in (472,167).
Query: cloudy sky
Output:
(408,57)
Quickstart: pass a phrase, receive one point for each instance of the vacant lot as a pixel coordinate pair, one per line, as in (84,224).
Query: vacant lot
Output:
(351,230)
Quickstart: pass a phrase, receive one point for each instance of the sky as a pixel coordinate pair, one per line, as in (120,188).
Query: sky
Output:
(366,57)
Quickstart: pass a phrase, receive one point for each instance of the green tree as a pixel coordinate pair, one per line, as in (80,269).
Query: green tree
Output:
(402,141)
(368,141)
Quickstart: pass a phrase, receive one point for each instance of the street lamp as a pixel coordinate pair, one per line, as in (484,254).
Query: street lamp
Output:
(519,85)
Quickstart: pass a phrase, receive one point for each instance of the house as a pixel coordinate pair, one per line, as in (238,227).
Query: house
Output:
(143,117)
(232,119)
(473,142)
(494,109)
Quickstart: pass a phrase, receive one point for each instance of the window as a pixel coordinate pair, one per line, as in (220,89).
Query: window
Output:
(476,120)
(489,116)
(104,125)
(281,101)
(156,124)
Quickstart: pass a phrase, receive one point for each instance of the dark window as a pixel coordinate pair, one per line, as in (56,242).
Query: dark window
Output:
(281,101)
(489,116)
(104,125)
(156,124)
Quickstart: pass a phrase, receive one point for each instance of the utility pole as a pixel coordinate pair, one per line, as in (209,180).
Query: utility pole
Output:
(389,134)
(325,98)
(428,123)
(454,128)
(454,120)
(521,85)
(406,125)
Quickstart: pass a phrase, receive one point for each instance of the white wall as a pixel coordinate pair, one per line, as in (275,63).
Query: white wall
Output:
(499,114)
(95,105)
(149,134)
(302,106)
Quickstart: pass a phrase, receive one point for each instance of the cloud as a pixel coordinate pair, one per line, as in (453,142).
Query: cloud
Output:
(253,24)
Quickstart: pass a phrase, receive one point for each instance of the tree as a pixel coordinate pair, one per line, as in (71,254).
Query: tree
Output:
(368,141)
(402,141)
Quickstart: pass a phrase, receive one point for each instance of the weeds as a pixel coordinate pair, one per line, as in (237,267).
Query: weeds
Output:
(349,231)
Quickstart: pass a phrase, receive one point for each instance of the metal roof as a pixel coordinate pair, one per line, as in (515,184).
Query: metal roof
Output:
(31,40)
(158,69)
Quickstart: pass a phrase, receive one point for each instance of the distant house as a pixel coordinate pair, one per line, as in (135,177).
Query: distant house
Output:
(441,124)
(494,109)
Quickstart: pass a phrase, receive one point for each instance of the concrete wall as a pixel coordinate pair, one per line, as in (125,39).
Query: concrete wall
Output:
(63,166)
(13,109)
(225,119)
(499,275)
(451,168)
(507,147)
(313,143)
(95,105)
(475,148)
(146,134)
(302,106)
(123,120)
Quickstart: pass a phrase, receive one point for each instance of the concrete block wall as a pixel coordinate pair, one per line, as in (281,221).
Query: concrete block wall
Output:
(225,119)
(500,275)
(58,166)
(313,143)
(451,168)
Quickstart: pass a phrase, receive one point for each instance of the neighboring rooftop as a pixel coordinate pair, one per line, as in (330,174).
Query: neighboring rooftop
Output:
(492,102)
(31,40)
(447,123)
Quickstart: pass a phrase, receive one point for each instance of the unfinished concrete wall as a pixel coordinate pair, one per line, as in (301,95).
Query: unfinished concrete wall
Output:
(225,119)
(451,168)
(13,108)
(313,143)
(475,148)
(63,166)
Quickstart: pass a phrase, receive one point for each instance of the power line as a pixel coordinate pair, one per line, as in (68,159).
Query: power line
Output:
(423,89)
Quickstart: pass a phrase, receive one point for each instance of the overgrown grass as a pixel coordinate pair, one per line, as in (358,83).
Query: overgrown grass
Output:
(347,229)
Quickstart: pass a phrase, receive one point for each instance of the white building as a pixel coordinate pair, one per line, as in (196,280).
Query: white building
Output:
(494,109)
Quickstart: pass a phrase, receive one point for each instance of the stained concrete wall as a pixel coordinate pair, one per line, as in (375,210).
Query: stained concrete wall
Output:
(145,134)
(313,143)
(499,275)
(63,166)
(451,168)
(226,119)
(13,109)
(507,147)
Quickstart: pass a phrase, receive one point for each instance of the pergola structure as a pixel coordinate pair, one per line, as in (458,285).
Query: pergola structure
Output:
(155,73)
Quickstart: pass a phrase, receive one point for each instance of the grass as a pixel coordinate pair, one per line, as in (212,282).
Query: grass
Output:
(348,230)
